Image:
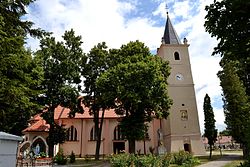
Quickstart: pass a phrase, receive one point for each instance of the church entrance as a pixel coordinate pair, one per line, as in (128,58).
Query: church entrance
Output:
(187,147)
(118,147)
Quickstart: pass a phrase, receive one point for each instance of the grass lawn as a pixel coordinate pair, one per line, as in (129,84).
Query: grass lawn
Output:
(81,162)
(234,163)
(216,155)
(206,159)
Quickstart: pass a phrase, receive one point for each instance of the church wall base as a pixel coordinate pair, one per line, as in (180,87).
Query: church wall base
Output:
(192,144)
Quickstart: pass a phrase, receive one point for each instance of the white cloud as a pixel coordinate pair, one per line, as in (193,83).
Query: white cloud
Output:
(161,10)
(98,21)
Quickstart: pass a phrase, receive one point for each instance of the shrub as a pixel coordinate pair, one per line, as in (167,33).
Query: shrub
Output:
(60,158)
(43,154)
(181,158)
(246,163)
(120,160)
(131,160)
(72,157)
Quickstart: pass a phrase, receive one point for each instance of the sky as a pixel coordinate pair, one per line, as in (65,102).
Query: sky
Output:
(117,22)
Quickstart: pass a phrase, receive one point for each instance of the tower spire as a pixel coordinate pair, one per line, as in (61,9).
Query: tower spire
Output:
(170,35)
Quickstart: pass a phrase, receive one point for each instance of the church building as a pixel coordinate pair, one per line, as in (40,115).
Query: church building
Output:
(180,131)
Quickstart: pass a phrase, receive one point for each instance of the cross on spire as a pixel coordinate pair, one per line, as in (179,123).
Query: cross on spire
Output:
(166,8)
(170,36)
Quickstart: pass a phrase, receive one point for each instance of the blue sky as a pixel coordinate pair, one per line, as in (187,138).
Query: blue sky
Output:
(119,21)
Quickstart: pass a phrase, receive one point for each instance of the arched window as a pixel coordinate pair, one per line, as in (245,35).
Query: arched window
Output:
(71,134)
(176,56)
(118,133)
(93,134)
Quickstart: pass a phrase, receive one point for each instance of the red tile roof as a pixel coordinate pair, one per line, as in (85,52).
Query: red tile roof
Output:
(63,113)
(39,125)
(220,139)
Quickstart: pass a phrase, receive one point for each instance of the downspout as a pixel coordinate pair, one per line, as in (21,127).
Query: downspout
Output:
(81,139)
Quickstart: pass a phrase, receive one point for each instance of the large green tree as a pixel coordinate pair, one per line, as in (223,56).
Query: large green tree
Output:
(236,104)
(228,21)
(92,98)
(209,123)
(19,73)
(135,85)
(61,63)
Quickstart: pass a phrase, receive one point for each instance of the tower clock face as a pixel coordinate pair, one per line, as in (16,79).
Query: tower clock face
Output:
(179,77)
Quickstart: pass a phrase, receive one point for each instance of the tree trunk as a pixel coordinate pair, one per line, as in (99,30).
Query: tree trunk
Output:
(98,141)
(51,140)
(51,122)
(245,151)
(131,146)
(211,149)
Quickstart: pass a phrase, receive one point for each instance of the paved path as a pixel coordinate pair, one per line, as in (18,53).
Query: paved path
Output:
(222,161)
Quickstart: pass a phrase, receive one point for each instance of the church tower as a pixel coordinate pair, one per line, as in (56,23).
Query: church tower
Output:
(181,130)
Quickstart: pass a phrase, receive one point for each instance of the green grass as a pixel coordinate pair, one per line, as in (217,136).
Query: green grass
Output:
(81,162)
(234,163)
(216,155)
(206,159)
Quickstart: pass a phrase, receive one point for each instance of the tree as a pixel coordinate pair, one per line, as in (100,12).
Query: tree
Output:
(135,85)
(236,104)
(228,21)
(20,75)
(92,97)
(209,123)
(61,62)
(225,133)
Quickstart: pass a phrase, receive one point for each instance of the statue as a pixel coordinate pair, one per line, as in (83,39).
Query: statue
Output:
(161,148)
(37,150)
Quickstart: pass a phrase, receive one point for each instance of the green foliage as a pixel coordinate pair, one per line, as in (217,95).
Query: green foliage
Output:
(135,85)
(127,160)
(95,66)
(181,158)
(225,133)
(133,127)
(20,75)
(72,157)
(60,158)
(209,123)
(246,163)
(228,21)
(236,104)
(62,64)
(43,154)
(59,134)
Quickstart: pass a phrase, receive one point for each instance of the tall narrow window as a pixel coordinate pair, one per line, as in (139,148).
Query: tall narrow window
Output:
(118,133)
(176,56)
(71,134)
(93,135)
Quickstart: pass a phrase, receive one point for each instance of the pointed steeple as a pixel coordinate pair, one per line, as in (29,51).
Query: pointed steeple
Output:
(170,35)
